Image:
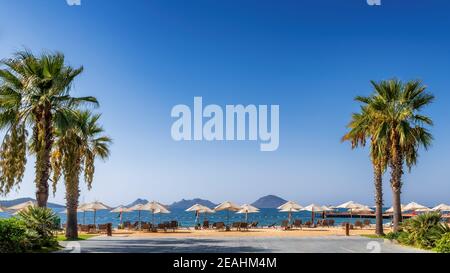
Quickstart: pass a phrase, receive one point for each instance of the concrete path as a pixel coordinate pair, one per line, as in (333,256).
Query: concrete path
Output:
(334,244)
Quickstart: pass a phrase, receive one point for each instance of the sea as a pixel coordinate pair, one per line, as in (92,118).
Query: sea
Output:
(266,217)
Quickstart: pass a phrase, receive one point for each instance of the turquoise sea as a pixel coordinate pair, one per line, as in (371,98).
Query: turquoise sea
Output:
(187,219)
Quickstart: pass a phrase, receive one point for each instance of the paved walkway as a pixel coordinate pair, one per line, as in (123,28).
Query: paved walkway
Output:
(335,244)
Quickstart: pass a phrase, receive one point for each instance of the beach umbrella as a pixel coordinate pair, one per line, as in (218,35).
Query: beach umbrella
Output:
(197,208)
(138,208)
(413,206)
(248,209)
(78,210)
(228,206)
(94,206)
(155,208)
(364,209)
(391,209)
(290,207)
(441,207)
(22,207)
(350,206)
(313,208)
(120,210)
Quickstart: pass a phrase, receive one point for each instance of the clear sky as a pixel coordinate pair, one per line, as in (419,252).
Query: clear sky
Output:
(311,57)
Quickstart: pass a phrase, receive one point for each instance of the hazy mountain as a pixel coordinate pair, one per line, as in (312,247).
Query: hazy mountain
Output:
(269,201)
(138,201)
(185,204)
(10,203)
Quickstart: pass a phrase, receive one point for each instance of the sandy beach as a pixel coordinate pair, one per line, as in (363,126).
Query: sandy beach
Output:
(306,232)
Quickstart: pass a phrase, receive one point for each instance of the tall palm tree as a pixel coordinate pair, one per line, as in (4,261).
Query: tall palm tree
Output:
(76,149)
(363,126)
(34,94)
(396,106)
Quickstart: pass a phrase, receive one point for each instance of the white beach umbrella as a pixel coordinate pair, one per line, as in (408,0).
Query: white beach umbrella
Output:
(23,206)
(155,208)
(120,210)
(228,206)
(94,206)
(247,209)
(441,207)
(78,210)
(197,208)
(290,207)
(350,205)
(328,208)
(313,208)
(364,209)
(413,206)
(138,208)
(391,209)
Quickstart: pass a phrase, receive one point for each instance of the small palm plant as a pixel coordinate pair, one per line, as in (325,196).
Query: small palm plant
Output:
(425,229)
(43,221)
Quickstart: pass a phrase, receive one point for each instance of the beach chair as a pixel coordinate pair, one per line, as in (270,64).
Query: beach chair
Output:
(254,225)
(298,224)
(205,224)
(367,223)
(308,224)
(174,225)
(325,223)
(359,224)
(243,226)
(285,225)
(330,222)
(220,225)
(319,223)
(236,225)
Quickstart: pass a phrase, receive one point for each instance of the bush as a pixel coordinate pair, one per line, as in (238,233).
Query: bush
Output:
(14,236)
(42,221)
(393,235)
(423,230)
(443,244)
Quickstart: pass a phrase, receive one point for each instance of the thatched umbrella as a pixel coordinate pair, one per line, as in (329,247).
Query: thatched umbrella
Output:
(228,206)
(248,209)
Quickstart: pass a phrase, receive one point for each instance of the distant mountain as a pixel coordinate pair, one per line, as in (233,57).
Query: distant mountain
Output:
(185,204)
(269,201)
(10,203)
(138,201)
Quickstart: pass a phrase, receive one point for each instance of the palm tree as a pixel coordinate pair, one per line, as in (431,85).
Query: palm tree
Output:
(363,126)
(34,94)
(396,107)
(75,151)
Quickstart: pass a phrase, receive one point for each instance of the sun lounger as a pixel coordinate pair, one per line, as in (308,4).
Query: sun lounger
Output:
(367,223)
(243,226)
(285,225)
(359,224)
(298,224)
(220,225)
(205,224)
(254,225)
(308,224)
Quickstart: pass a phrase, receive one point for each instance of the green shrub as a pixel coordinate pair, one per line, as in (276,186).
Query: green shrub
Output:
(14,236)
(392,235)
(423,230)
(42,221)
(443,244)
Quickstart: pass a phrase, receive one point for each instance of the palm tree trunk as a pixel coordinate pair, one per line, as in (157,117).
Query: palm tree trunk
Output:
(378,175)
(72,195)
(44,137)
(396,184)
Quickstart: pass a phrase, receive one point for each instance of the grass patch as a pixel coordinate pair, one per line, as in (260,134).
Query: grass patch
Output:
(372,236)
(81,237)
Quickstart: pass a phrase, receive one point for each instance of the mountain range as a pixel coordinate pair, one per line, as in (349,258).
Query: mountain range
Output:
(10,203)
(269,201)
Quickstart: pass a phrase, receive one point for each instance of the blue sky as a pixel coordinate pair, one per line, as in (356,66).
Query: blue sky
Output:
(311,57)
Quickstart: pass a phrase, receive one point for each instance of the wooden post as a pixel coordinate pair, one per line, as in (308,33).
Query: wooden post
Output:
(109,229)
(347,229)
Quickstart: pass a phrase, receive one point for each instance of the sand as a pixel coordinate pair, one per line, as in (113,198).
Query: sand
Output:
(266,232)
